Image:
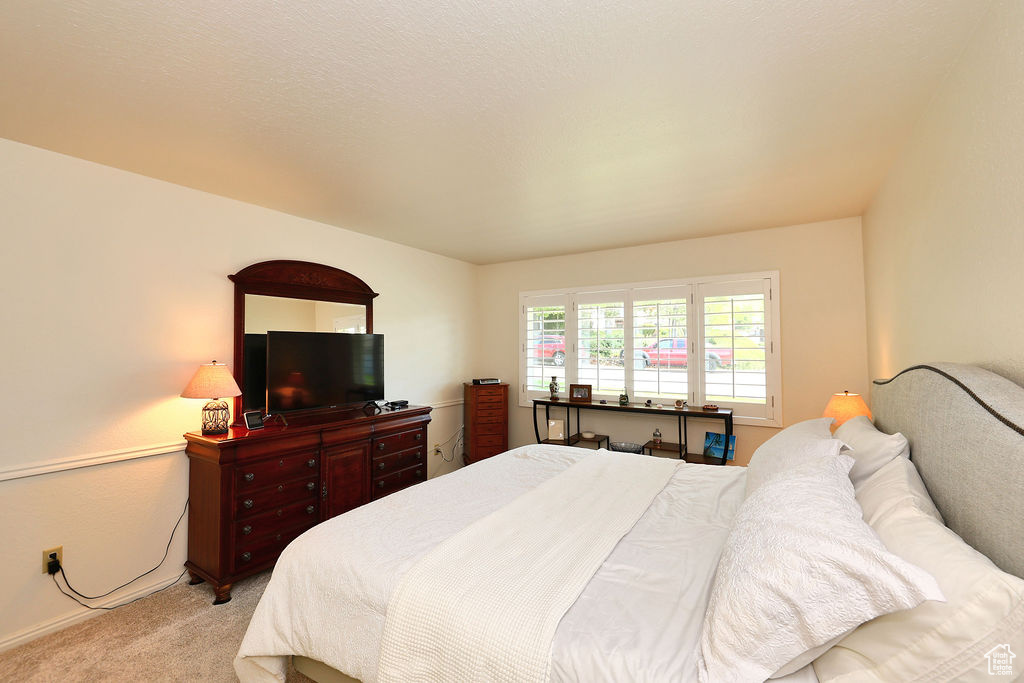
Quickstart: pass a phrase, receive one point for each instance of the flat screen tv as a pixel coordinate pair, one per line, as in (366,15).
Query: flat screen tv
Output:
(307,370)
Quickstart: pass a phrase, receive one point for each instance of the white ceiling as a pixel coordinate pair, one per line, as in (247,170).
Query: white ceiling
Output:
(489,131)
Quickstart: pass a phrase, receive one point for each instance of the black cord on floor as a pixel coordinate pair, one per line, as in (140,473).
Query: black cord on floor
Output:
(103,595)
(115,606)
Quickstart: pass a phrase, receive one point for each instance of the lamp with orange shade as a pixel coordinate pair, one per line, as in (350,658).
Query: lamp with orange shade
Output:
(845,406)
(213,381)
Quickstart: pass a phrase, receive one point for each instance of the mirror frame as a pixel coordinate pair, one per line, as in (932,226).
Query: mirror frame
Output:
(294,280)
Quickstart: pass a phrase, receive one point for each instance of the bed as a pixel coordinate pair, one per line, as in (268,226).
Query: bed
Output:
(641,614)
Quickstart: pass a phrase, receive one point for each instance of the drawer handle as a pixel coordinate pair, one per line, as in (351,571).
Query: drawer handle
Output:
(381,466)
(280,488)
(419,474)
(380,446)
(278,537)
(246,530)
(248,503)
(310,509)
(280,512)
(311,463)
(419,456)
(311,485)
(249,476)
(380,484)
(419,436)
(246,556)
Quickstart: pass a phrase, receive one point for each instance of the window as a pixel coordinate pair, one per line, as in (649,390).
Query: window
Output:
(544,343)
(600,324)
(641,338)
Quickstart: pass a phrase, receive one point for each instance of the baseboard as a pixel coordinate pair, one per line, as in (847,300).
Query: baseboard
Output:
(79,615)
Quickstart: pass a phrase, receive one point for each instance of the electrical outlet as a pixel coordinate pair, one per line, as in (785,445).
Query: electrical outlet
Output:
(437,449)
(59,550)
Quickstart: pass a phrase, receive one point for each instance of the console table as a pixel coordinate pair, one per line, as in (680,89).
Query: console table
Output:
(680,414)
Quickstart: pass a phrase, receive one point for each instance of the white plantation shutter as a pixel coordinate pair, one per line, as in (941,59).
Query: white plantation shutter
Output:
(660,338)
(736,336)
(600,340)
(543,349)
(708,340)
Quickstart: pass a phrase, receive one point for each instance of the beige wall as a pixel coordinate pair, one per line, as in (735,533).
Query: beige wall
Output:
(822,326)
(944,236)
(115,290)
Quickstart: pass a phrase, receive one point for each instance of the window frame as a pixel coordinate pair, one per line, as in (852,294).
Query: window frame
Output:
(695,289)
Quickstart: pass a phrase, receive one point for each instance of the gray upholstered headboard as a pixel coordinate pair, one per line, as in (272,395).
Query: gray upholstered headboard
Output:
(966,431)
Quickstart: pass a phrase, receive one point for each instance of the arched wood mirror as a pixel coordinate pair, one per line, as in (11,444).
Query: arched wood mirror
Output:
(290,296)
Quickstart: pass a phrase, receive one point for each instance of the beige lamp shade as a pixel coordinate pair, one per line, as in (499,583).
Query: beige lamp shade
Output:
(845,406)
(212,380)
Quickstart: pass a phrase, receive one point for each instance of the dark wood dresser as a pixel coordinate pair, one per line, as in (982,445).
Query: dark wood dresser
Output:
(486,420)
(253,492)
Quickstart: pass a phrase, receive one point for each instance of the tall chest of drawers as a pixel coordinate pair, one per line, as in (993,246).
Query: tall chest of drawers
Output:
(253,492)
(486,420)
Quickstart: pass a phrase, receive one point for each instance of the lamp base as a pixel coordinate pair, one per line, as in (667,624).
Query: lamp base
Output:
(215,417)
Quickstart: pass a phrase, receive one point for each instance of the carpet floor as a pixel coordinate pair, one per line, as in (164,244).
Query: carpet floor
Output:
(174,635)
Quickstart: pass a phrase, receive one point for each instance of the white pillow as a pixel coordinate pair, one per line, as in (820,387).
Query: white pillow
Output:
(799,569)
(871,448)
(795,445)
(895,486)
(948,641)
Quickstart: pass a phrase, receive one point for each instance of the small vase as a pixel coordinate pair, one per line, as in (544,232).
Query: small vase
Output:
(553,388)
(657,436)
(623,399)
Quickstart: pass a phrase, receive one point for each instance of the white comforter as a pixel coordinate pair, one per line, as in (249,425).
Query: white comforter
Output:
(639,618)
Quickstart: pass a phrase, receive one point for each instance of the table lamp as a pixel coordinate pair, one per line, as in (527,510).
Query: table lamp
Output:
(845,406)
(213,381)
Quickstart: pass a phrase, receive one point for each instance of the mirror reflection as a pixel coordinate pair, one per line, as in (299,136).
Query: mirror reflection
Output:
(279,314)
(274,313)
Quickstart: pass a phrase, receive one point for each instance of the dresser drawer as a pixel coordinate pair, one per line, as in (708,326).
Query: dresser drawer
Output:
(264,447)
(489,439)
(386,464)
(272,523)
(250,476)
(489,393)
(258,502)
(489,415)
(477,454)
(264,550)
(489,428)
(488,451)
(398,442)
(397,481)
(490,402)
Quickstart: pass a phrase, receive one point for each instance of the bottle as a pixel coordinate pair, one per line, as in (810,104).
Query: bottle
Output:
(553,388)
(657,436)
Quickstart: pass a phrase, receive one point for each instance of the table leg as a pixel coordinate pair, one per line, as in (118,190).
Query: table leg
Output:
(679,428)
(686,432)
(728,435)
(536,430)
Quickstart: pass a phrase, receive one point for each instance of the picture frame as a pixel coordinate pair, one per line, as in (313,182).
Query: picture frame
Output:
(556,430)
(253,419)
(580,393)
(714,444)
